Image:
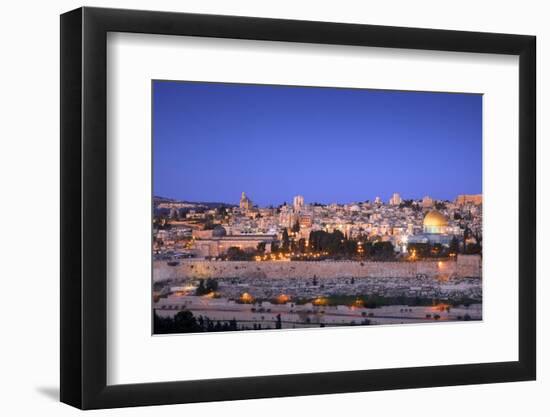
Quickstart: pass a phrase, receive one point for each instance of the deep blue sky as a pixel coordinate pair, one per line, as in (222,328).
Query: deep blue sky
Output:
(211,141)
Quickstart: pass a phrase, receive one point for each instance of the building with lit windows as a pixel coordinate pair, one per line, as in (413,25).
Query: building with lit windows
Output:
(427,202)
(306,220)
(395,199)
(475,199)
(298,203)
(216,242)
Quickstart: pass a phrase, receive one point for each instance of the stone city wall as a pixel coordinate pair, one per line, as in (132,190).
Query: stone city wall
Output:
(464,266)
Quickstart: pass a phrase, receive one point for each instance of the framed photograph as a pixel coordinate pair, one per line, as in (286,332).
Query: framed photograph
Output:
(258,208)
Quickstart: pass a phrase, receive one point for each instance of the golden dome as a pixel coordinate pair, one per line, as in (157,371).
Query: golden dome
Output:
(435,218)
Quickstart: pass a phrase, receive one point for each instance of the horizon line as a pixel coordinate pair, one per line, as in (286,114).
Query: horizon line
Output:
(312,202)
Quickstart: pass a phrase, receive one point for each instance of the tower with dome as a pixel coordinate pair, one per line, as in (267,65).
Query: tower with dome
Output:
(245,203)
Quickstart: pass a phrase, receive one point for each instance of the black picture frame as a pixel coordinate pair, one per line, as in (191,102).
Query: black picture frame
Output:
(84,207)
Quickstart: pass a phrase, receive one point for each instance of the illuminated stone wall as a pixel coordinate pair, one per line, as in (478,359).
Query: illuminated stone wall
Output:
(464,266)
(468,266)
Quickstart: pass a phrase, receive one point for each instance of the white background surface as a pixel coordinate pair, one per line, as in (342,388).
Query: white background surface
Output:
(133,60)
(29,178)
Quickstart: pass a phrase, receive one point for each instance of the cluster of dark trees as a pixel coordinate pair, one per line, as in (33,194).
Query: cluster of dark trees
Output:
(182,322)
(472,249)
(235,253)
(334,243)
(433,250)
(436,250)
(376,301)
(410,204)
(337,246)
(416,206)
(379,251)
(289,245)
(185,322)
(206,287)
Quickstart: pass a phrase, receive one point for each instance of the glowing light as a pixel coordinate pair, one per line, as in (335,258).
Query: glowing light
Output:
(358,303)
(283,298)
(320,301)
(440,307)
(246,298)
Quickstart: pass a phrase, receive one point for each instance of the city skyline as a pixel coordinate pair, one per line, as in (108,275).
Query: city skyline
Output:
(235,201)
(212,141)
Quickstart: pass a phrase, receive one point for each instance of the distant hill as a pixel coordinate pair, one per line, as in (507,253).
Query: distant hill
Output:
(210,204)
(158,199)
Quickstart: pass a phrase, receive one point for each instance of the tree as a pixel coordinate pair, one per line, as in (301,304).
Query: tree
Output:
(201,289)
(209,222)
(211,285)
(260,248)
(336,240)
(206,287)
(314,238)
(296,226)
(237,254)
(349,247)
(437,249)
(285,241)
(473,248)
(465,237)
(422,250)
(453,246)
(182,322)
(302,245)
(175,214)
(383,251)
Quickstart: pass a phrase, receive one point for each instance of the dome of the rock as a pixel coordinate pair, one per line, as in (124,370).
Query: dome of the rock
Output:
(435,222)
